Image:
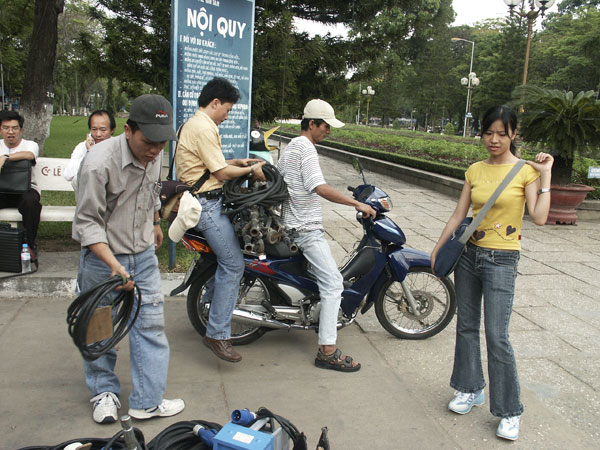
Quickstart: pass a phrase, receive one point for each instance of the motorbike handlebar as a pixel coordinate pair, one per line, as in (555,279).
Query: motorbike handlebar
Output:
(350,188)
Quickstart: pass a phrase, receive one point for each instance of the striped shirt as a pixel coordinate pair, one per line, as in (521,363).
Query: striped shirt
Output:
(300,168)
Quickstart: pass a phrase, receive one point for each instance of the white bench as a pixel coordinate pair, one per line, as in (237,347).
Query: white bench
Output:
(48,175)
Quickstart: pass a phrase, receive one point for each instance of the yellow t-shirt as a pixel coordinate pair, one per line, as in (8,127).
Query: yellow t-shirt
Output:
(501,227)
(198,149)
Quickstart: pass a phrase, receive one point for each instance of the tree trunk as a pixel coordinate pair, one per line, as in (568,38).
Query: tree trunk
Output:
(38,87)
(562,170)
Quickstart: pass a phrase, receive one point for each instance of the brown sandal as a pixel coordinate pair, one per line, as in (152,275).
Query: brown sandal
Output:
(335,362)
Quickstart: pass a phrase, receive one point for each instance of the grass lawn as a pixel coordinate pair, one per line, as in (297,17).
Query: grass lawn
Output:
(65,133)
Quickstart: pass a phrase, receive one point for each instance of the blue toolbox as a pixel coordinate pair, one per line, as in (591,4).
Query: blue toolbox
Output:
(237,437)
(258,434)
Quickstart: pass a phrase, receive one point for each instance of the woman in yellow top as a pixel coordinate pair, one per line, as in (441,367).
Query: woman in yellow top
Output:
(488,269)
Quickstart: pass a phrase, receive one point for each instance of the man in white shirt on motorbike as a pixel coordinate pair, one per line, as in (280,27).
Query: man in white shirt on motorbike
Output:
(299,166)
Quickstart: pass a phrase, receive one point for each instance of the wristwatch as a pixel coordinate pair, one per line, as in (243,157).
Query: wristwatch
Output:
(156,222)
(542,190)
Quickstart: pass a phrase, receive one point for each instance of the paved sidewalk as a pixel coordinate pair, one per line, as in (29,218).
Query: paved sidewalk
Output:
(397,401)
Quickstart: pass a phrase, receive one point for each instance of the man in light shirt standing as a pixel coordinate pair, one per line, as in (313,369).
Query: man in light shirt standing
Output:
(117,224)
(102,125)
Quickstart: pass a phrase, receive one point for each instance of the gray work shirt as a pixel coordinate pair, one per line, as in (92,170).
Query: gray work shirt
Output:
(117,198)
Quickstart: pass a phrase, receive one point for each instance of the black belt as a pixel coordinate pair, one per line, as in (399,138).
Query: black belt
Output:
(209,195)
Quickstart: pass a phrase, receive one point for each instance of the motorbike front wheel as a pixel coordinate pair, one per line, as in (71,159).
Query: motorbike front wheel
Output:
(251,295)
(435,299)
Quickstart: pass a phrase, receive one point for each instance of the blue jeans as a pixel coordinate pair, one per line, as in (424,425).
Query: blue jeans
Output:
(219,232)
(148,346)
(316,250)
(491,273)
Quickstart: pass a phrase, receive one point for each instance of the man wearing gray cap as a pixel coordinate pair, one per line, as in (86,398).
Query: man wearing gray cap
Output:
(299,165)
(117,224)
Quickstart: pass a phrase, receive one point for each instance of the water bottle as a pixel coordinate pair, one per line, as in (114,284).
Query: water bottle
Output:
(25,259)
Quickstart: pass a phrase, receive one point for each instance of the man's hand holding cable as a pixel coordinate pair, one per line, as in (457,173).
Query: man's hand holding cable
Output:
(102,251)
(120,270)
(256,171)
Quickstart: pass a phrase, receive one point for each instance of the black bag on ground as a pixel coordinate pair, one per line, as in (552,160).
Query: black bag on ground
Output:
(15,177)
(11,243)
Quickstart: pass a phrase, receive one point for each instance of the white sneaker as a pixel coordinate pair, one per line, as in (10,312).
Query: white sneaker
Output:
(105,407)
(463,402)
(508,428)
(167,408)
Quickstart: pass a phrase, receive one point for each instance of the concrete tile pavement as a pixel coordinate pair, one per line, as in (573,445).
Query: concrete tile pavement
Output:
(398,399)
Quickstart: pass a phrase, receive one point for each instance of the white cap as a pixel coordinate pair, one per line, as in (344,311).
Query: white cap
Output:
(320,109)
(187,216)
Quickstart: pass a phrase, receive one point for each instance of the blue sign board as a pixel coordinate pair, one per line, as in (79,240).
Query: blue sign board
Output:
(213,38)
(593,172)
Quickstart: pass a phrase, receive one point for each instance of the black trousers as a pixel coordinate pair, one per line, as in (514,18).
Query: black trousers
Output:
(30,208)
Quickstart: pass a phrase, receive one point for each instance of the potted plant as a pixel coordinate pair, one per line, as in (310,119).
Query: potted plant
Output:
(564,125)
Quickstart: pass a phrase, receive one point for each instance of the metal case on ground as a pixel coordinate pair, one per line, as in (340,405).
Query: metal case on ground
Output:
(11,241)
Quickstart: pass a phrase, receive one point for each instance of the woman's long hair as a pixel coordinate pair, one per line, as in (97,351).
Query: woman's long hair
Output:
(508,118)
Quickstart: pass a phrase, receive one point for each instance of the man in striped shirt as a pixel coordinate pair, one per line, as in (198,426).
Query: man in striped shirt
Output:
(300,168)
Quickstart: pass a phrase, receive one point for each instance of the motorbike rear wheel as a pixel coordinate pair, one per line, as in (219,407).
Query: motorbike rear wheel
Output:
(435,298)
(251,294)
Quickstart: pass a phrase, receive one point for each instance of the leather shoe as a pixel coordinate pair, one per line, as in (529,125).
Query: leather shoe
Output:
(223,349)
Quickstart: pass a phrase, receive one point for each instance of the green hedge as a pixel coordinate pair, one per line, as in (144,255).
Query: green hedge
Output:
(445,155)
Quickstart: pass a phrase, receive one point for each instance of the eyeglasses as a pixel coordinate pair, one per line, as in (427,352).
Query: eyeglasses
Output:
(6,128)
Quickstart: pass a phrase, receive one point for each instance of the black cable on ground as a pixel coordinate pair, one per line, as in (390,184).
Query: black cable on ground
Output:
(115,443)
(180,436)
(297,437)
(237,198)
(81,310)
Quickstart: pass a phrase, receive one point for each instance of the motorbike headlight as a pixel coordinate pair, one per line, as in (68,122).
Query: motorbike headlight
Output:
(386,203)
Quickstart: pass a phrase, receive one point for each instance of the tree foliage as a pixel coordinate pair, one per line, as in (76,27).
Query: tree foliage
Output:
(16,23)
(567,51)
(564,123)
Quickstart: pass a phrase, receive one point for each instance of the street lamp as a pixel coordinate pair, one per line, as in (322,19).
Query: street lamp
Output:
(369,92)
(470,82)
(530,15)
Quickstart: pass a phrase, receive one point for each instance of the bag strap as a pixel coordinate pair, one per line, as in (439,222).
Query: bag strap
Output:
(198,184)
(488,205)
(170,174)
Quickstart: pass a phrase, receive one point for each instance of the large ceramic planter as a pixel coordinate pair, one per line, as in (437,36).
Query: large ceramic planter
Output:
(564,200)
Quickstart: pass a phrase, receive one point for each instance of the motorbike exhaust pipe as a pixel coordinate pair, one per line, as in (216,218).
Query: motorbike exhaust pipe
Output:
(251,318)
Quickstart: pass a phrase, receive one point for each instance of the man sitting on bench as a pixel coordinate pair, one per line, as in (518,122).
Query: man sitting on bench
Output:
(13,147)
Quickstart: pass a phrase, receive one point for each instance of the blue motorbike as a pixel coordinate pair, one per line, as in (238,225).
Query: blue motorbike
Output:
(277,290)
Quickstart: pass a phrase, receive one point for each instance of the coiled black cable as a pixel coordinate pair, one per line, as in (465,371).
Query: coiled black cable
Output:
(179,436)
(236,198)
(115,443)
(297,437)
(81,310)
